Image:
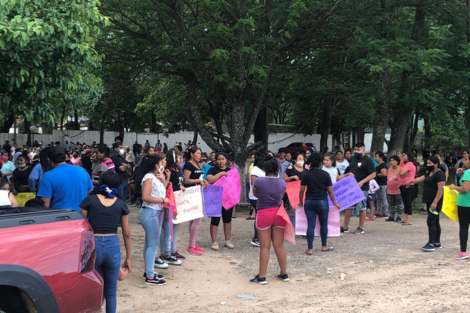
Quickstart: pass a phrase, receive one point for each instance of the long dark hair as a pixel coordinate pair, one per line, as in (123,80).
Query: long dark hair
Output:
(259,161)
(410,155)
(315,159)
(192,151)
(110,179)
(171,159)
(332,158)
(44,162)
(146,166)
(271,167)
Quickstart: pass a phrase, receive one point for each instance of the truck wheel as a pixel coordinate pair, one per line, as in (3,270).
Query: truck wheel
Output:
(14,300)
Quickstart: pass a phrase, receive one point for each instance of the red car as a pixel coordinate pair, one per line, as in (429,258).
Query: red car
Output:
(47,261)
(299,147)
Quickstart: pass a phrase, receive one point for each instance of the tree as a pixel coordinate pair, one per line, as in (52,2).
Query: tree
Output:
(47,55)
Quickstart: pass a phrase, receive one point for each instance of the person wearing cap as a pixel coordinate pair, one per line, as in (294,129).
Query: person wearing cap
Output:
(7,168)
(121,167)
(65,186)
(284,163)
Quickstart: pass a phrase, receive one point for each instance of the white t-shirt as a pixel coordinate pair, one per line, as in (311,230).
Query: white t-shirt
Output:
(332,171)
(158,191)
(342,166)
(255,171)
(373,187)
(5,198)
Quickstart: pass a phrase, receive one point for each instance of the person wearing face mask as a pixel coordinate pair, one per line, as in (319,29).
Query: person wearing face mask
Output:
(296,171)
(121,167)
(364,171)
(19,179)
(56,189)
(434,181)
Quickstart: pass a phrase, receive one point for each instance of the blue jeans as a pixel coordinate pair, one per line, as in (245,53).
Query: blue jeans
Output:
(108,257)
(122,191)
(150,221)
(165,238)
(312,209)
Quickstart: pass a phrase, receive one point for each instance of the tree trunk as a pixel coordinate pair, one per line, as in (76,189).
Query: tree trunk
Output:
(382,116)
(154,127)
(326,123)
(427,131)
(62,116)
(195,137)
(401,121)
(101,136)
(261,129)
(8,123)
(76,123)
(240,161)
(414,130)
(26,130)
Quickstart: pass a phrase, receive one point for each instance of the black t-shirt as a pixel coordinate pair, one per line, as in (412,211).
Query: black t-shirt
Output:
(361,169)
(196,173)
(214,170)
(104,219)
(381,181)
(7,148)
(293,172)
(21,177)
(87,163)
(317,181)
(118,161)
(430,185)
(176,180)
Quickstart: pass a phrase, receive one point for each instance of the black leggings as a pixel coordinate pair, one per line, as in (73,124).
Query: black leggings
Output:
(464,220)
(406,196)
(434,228)
(226,217)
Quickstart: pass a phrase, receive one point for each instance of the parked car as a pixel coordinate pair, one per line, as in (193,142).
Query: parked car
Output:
(47,261)
(299,147)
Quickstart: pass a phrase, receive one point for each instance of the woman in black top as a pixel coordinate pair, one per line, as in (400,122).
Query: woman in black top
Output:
(105,212)
(213,175)
(194,176)
(295,172)
(318,183)
(434,181)
(19,179)
(381,179)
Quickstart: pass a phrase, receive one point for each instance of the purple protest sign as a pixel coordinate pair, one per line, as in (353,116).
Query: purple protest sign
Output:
(347,193)
(213,200)
(301,223)
(232,188)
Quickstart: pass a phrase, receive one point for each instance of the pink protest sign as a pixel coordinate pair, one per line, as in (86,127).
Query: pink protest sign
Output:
(289,233)
(231,185)
(333,222)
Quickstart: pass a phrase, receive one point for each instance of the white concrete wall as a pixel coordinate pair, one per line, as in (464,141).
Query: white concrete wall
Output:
(276,140)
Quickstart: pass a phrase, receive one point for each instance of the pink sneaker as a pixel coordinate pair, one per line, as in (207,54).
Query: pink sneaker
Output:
(193,250)
(199,248)
(461,256)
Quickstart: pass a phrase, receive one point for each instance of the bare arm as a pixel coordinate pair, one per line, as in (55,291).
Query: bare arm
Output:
(462,189)
(13,201)
(213,178)
(126,234)
(47,202)
(301,195)
(84,212)
(417,180)
(255,193)
(367,179)
(332,197)
(189,181)
(147,189)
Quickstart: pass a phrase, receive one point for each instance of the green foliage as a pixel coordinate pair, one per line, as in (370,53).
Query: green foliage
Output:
(47,55)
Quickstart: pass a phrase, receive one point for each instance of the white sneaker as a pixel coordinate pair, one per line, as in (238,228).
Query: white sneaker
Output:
(160,264)
(215,246)
(228,244)
(171,260)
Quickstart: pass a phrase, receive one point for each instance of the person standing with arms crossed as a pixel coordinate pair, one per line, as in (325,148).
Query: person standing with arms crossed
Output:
(362,167)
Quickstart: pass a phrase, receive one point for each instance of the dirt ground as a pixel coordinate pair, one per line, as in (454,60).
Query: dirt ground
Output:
(382,270)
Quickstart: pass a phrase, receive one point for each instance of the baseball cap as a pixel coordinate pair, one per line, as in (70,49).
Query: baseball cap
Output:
(56,154)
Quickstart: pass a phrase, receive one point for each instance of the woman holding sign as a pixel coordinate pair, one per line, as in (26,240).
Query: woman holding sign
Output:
(318,183)
(463,203)
(434,181)
(269,191)
(213,175)
(194,175)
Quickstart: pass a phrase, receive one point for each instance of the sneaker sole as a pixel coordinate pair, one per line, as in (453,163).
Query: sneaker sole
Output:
(286,280)
(259,283)
(427,250)
(160,267)
(359,233)
(463,258)
(175,264)
(147,283)
(192,253)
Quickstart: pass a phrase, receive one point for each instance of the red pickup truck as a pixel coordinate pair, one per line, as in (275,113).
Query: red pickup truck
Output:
(47,260)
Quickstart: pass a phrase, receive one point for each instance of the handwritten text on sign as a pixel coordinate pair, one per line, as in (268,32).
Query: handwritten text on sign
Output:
(231,185)
(189,205)
(301,222)
(213,200)
(449,206)
(347,193)
(23,197)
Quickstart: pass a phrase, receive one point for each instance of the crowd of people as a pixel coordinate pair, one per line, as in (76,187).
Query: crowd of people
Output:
(102,181)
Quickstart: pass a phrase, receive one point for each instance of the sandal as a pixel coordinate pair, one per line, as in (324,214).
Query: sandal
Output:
(406,224)
(309,253)
(330,248)
(371,218)
(234,216)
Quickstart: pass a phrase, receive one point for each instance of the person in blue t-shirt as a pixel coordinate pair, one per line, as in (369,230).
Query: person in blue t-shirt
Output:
(65,186)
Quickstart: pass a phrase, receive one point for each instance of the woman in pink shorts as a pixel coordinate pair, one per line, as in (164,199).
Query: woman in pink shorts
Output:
(269,190)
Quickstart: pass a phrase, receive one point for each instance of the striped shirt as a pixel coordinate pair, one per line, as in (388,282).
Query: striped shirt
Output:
(105,165)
